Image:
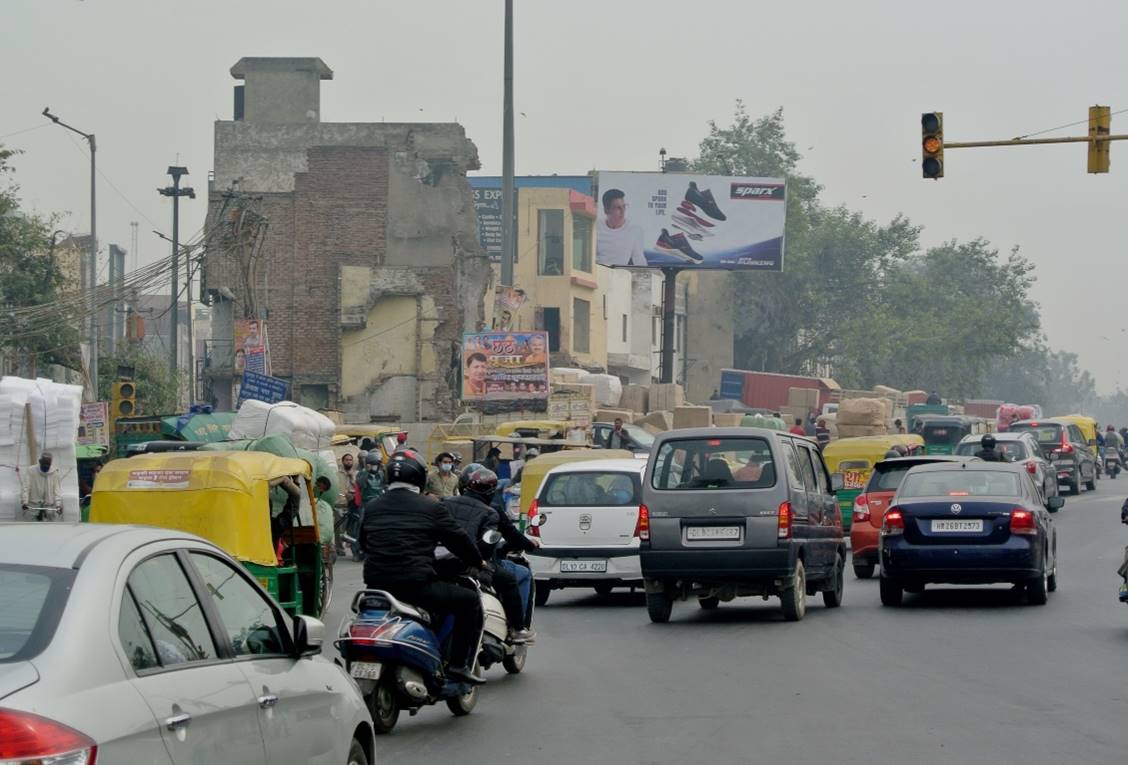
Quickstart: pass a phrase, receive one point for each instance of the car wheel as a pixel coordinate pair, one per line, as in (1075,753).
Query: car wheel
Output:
(891,592)
(460,706)
(356,753)
(864,570)
(541,596)
(1051,580)
(384,705)
(515,662)
(1037,589)
(832,598)
(793,600)
(1091,484)
(709,604)
(659,606)
(1074,487)
(604,588)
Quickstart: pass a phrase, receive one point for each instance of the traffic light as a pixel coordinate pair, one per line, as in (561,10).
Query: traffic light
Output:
(123,399)
(1100,124)
(932,145)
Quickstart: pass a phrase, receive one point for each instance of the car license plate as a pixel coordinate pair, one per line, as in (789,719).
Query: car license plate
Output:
(949,526)
(366,670)
(583,567)
(712,533)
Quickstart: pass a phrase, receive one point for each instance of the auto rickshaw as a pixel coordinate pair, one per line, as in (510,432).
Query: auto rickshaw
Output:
(257,506)
(388,437)
(1088,427)
(854,459)
(942,434)
(535,428)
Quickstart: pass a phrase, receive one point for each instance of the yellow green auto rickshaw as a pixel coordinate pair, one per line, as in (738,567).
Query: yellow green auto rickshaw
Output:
(257,506)
(854,458)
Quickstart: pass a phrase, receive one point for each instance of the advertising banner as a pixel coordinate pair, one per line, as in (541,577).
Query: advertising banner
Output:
(93,423)
(270,390)
(498,366)
(654,220)
(252,352)
(507,302)
(487,205)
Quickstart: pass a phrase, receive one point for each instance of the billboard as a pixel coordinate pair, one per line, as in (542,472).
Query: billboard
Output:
(251,351)
(487,206)
(500,366)
(690,221)
(262,388)
(92,423)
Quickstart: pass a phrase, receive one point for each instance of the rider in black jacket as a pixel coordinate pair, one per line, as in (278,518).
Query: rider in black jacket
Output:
(400,532)
(472,511)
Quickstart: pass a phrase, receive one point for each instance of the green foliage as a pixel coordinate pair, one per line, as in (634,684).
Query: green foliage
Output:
(29,276)
(858,300)
(1053,379)
(157,387)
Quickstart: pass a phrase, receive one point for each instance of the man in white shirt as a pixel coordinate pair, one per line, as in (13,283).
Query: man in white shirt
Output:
(618,243)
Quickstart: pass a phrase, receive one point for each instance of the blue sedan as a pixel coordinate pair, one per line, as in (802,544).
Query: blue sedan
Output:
(969,523)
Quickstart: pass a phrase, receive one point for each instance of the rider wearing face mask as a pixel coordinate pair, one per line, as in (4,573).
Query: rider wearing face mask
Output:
(41,486)
(443,481)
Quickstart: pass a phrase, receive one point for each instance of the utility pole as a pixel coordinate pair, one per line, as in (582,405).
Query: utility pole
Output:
(176,192)
(92,260)
(508,232)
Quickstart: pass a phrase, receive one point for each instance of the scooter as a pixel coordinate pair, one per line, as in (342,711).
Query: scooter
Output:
(1111,461)
(496,645)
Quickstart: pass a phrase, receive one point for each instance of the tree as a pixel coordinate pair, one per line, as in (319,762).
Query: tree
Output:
(157,388)
(30,276)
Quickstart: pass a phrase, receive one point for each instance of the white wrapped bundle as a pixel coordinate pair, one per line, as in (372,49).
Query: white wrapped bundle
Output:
(304,427)
(608,389)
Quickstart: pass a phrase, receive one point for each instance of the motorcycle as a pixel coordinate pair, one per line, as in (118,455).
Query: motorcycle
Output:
(1112,461)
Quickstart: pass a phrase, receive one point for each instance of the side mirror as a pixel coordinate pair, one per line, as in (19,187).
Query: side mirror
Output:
(309,634)
(1055,504)
(492,537)
(836,483)
(537,520)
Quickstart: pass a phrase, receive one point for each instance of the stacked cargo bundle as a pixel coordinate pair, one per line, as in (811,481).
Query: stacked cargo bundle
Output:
(607,389)
(863,417)
(37,416)
(306,428)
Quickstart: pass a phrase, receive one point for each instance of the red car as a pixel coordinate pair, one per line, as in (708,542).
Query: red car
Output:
(871,504)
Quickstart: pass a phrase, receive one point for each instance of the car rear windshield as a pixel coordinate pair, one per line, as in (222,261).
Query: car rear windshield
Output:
(31,602)
(1012,450)
(960,483)
(1045,434)
(589,489)
(714,463)
(942,434)
(887,477)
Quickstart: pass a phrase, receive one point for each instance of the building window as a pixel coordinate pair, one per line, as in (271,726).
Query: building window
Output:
(550,323)
(550,251)
(624,328)
(581,326)
(581,243)
(315,396)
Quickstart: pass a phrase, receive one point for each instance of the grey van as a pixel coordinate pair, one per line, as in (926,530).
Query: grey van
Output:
(732,512)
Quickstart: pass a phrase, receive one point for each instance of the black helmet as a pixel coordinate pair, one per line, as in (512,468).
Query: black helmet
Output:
(892,454)
(988,441)
(480,483)
(406,466)
(372,458)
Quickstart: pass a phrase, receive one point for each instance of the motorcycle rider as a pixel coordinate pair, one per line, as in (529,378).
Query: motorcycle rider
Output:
(42,487)
(399,535)
(369,485)
(471,509)
(988,451)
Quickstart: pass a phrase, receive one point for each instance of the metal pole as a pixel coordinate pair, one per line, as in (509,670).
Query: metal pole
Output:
(508,232)
(191,349)
(114,276)
(93,271)
(174,316)
(669,321)
(1032,141)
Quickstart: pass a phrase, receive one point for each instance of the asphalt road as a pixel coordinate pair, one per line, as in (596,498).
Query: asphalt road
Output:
(958,675)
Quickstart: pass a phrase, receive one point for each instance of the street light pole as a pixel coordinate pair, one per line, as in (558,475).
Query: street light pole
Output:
(92,258)
(176,192)
(508,229)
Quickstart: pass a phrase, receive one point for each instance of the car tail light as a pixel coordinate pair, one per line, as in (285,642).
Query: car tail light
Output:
(534,531)
(1022,522)
(783,521)
(27,739)
(893,522)
(1064,447)
(861,509)
(1031,467)
(642,525)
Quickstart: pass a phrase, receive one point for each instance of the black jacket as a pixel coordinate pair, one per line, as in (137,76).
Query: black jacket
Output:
(991,455)
(514,539)
(400,532)
(475,518)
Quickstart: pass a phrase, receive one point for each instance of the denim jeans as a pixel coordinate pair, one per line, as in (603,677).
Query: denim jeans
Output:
(524,580)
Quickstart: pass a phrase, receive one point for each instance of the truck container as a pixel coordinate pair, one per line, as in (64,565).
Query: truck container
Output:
(769,390)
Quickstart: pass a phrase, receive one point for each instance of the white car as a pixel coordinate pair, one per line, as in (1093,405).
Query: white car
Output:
(1018,446)
(134,644)
(590,534)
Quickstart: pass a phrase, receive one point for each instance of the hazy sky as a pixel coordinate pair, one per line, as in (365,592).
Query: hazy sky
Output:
(604,85)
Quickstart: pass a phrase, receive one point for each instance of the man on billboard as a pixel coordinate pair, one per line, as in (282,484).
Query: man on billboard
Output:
(474,382)
(618,243)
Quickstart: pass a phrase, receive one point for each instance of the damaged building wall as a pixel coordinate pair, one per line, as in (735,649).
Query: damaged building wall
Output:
(352,209)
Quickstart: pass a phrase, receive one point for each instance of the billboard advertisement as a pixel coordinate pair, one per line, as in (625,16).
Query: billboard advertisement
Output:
(263,388)
(487,206)
(500,366)
(92,424)
(654,220)
(252,351)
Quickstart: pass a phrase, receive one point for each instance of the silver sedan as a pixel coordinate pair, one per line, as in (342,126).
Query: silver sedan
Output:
(133,644)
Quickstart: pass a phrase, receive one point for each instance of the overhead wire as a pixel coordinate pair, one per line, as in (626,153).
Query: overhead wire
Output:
(1062,127)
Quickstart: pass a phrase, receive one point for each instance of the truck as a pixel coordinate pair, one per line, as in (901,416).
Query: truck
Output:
(770,390)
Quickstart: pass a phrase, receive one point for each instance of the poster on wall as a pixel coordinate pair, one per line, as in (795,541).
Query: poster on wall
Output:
(92,421)
(262,388)
(507,302)
(252,351)
(500,366)
(698,222)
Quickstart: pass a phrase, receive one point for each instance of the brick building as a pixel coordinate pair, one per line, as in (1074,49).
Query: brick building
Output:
(354,243)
